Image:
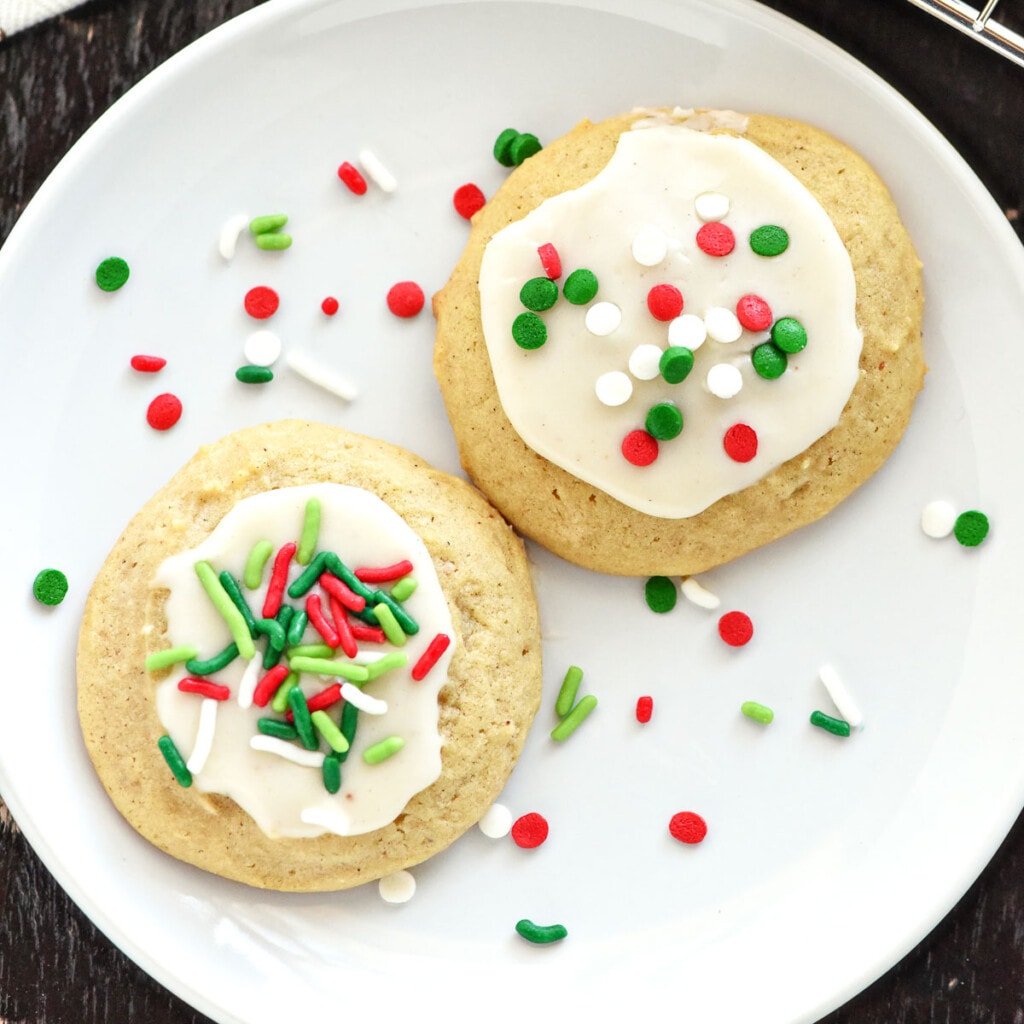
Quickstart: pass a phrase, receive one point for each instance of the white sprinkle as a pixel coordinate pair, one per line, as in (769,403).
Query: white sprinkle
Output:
(397,888)
(711,206)
(381,176)
(363,701)
(250,677)
(613,388)
(228,240)
(840,695)
(938,519)
(694,591)
(722,324)
(688,331)
(602,318)
(204,735)
(650,246)
(262,348)
(328,379)
(290,752)
(724,380)
(644,362)
(367,657)
(497,822)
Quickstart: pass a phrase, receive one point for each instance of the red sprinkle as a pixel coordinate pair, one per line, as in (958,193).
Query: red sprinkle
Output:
(716,239)
(639,448)
(429,658)
(740,442)
(341,624)
(164,411)
(329,305)
(384,573)
(374,634)
(405,299)
(261,302)
(665,301)
(754,313)
(319,621)
(148,364)
(267,686)
(530,830)
(467,200)
(688,827)
(341,593)
(191,685)
(324,699)
(735,628)
(644,709)
(278,579)
(550,260)
(352,178)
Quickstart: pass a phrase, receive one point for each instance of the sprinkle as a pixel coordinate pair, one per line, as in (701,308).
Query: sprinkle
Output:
(278,579)
(254,374)
(227,240)
(226,608)
(639,448)
(280,701)
(665,302)
(158,660)
(496,822)
(769,240)
(261,302)
(404,588)
(247,685)
(50,587)
(675,365)
(722,325)
(262,348)
(768,360)
(567,693)
(252,577)
(325,698)
(204,736)
(112,274)
(296,629)
(753,313)
(405,299)
(503,146)
(370,633)
(384,573)
(572,721)
(388,622)
(789,334)
(938,519)
(541,934)
(268,685)
(613,388)
(310,532)
(550,261)
(971,528)
(329,306)
(688,827)
(467,200)
(331,771)
(724,380)
(273,727)
(349,722)
(660,594)
(429,658)
(344,595)
(757,712)
(845,704)
(319,621)
(716,239)
(352,179)
(523,147)
(213,691)
(687,331)
(711,206)
(836,726)
(383,750)
(330,732)
(735,628)
(267,223)
(697,594)
(316,373)
(302,719)
(645,362)
(175,761)
(740,442)
(398,887)
(148,364)
(530,831)
(580,287)
(378,173)
(385,663)
(220,660)
(338,568)
(650,246)
(324,667)
(363,701)
(164,411)
(290,752)
(602,318)
(644,709)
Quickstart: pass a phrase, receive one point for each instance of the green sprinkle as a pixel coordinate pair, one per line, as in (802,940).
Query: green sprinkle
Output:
(836,726)
(404,588)
(220,660)
(249,374)
(310,532)
(253,575)
(297,630)
(269,222)
(303,583)
(332,773)
(323,667)
(572,721)
(503,147)
(169,656)
(275,727)
(284,618)
(336,566)
(580,287)
(661,594)
(567,693)
(383,750)
(273,242)
(330,732)
(971,528)
(769,360)
(175,761)
(273,631)
(234,591)
(758,712)
(769,240)
(310,651)
(388,622)
(226,609)
(541,934)
(280,701)
(112,274)
(349,721)
(368,615)
(50,586)
(789,334)
(303,719)
(409,625)
(676,363)
(529,331)
(523,147)
(385,664)
(664,421)
(538,294)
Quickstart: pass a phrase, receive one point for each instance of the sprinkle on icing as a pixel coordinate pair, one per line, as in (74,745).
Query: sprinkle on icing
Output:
(639,448)
(290,752)
(722,325)
(711,206)
(550,261)
(644,362)
(615,388)
(602,318)
(650,246)
(724,380)
(665,302)
(740,442)
(716,239)
(687,331)
(204,736)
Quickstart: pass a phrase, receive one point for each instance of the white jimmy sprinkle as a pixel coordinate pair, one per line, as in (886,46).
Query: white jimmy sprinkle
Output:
(650,246)
(711,206)
(644,362)
(840,695)
(602,318)
(381,176)
(497,822)
(290,752)
(262,348)
(693,590)
(613,388)
(938,519)
(722,324)
(204,735)
(367,657)
(687,331)
(363,701)
(316,373)
(397,888)
(227,242)
(724,380)
(250,677)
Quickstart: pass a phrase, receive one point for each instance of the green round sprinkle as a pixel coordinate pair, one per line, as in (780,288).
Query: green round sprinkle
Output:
(383,750)
(280,701)
(661,594)
(349,721)
(332,773)
(310,651)
(296,630)
(574,719)
(503,147)
(277,728)
(404,588)
(226,609)
(758,712)
(567,694)
(170,656)
(836,726)
(539,934)
(529,331)
(303,719)
(330,732)
(538,294)
(254,374)
(789,334)
(676,363)
(269,222)
(322,667)
(769,240)
(253,575)
(971,528)
(310,532)
(580,286)
(388,622)
(664,421)
(769,360)
(112,273)
(195,667)
(523,147)
(50,586)
(393,660)
(175,761)
(273,242)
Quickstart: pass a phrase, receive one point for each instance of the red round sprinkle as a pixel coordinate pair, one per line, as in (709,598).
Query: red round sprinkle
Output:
(164,411)
(754,313)
(550,260)
(405,298)
(352,178)
(716,239)
(665,301)
(148,364)
(467,200)
(261,302)
(688,827)
(644,709)
(735,628)
(639,448)
(530,830)
(329,305)
(740,442)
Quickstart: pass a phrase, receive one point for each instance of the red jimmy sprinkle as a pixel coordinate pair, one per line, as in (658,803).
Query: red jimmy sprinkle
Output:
(430,657)
(468,199)
(530,830)
(735,628)
(550,260)
(405,299)
(644,709)
(261,302)
(688,827)
(665,301)
(148,364)
(352,179)
(164,411)
(384,573)
(716,239)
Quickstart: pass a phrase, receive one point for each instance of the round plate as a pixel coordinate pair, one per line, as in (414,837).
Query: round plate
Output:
(826,859)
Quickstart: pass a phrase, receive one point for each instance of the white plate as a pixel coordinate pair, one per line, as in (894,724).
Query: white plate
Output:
(826,859)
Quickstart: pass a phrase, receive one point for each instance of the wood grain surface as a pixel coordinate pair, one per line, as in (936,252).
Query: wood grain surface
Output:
(56,79)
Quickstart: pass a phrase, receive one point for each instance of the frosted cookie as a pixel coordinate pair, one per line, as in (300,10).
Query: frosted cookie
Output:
(673,338)
(309,661)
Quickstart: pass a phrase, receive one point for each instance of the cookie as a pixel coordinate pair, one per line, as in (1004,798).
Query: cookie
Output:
(733,345)
(311,528)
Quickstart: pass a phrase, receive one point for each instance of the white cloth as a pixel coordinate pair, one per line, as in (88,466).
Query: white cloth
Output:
(18,14)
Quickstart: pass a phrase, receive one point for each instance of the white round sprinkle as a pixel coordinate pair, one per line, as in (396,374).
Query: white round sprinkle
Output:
(722,324)
(602,318)
(837,690)
(644,360)
(614,388)
(687,330)
(497,822)
(204,735)
(711,206)
(397,888)
(695,592)
(262,348)
(650,246)
(938,519)
(228,240)
(724,380)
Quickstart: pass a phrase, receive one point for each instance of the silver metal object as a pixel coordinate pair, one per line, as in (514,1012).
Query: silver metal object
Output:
(978,23)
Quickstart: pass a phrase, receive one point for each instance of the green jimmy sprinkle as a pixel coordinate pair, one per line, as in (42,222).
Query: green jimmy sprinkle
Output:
(220,660)
(175,761)
(280,730)
(388,622)
(250,374)
(330,732)
(541,934)
(310,651)
(254,564)
(332,772)
(574,719)
(758,712)
(226,609)
(268,222)
(303,719)
(273,242)
(836,726)
(404,588)
(297,629)
(280,700)
(567,694)
(234,591)
(169,656)
(385,664)
(409,625)
(304,582)
(310,532)
(349,721)
(323,667)
(383,750)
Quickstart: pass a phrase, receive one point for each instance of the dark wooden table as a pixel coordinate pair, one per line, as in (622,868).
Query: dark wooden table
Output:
(56,79)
